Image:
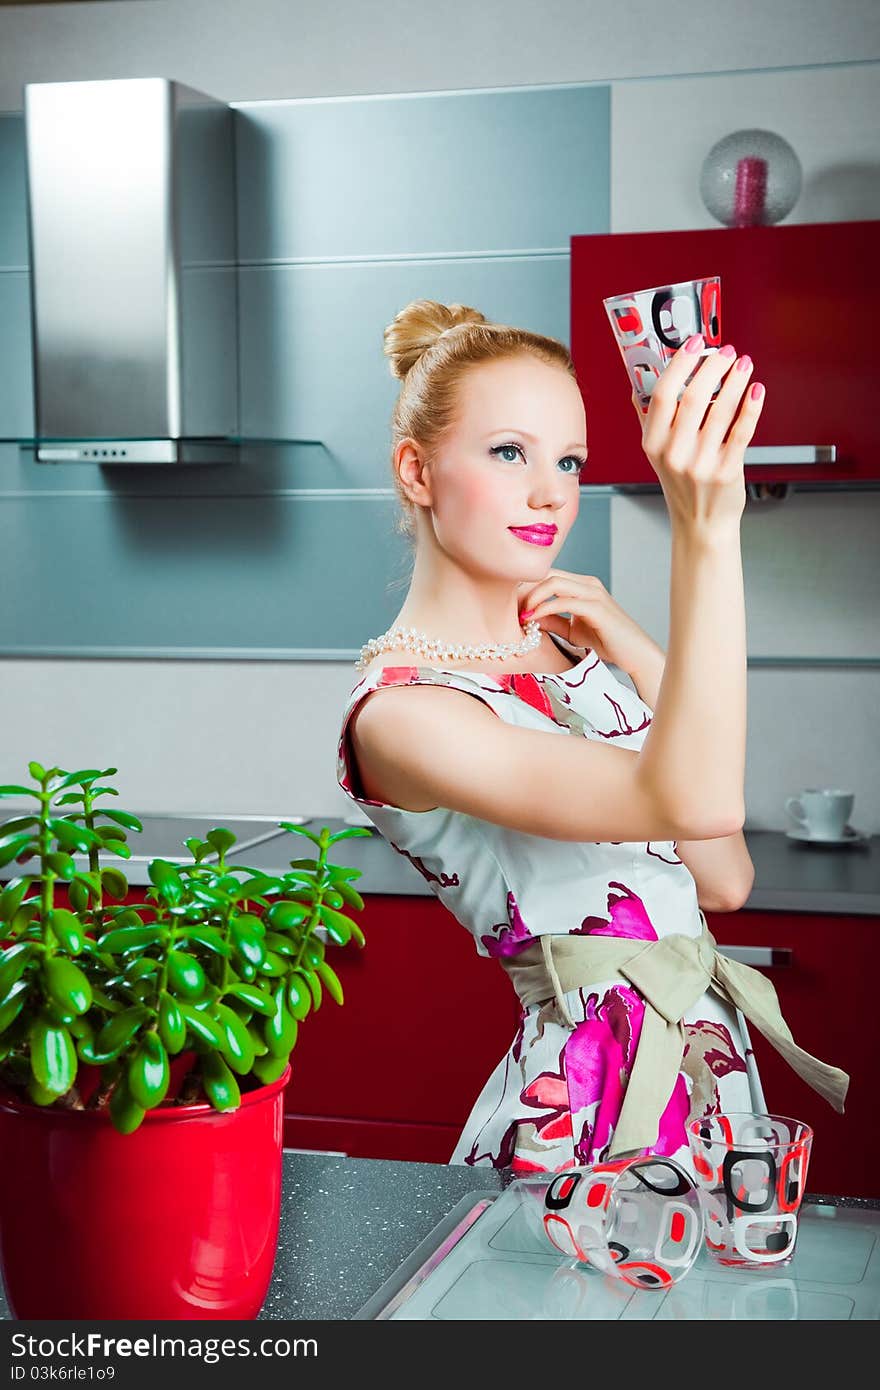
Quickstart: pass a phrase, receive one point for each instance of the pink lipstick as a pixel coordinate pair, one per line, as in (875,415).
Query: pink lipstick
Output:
(536,535)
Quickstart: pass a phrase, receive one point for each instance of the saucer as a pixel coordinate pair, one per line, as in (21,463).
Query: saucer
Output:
(849,837)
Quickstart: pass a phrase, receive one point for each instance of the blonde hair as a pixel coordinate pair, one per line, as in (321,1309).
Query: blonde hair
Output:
(430,347)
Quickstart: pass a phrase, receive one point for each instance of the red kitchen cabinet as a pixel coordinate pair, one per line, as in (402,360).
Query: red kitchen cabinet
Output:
(394,1072)
(799,299)
(828,1000)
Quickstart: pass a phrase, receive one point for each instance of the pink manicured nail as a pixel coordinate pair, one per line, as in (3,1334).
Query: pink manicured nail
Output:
(527,613)
(757,391)
(743,364)
(695,343)
(727,351)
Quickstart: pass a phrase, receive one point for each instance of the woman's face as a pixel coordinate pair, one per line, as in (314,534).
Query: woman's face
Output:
(512,459)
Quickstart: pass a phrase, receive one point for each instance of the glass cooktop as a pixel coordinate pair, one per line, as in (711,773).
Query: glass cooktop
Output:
(489,1259)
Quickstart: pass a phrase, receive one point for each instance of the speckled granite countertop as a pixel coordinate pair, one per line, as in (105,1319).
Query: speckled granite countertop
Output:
(347,1224)
(790,876)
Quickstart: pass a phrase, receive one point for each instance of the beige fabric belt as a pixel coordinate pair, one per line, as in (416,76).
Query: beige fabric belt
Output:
(671,973)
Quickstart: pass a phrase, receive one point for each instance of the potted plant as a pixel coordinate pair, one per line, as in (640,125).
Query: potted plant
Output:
(144,1051)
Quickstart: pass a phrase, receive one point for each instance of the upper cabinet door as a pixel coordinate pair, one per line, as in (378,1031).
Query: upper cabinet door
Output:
(803,301)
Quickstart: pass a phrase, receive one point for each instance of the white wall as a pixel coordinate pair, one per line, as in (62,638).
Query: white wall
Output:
(246,50)
(268,729)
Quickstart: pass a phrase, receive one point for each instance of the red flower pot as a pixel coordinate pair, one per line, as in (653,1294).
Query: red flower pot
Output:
(177,1220)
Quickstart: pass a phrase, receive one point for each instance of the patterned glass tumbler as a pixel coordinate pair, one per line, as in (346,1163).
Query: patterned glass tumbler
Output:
(752,1172)
(650,326)
(638,1219)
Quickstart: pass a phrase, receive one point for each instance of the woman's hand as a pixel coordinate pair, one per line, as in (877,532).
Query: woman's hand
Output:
(596,621)
(695,445)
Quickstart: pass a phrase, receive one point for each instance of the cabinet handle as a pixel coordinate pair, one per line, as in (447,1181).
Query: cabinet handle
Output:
(790,453)
(758,955)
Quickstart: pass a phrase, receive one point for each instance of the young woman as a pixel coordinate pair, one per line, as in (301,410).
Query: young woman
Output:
(572,825)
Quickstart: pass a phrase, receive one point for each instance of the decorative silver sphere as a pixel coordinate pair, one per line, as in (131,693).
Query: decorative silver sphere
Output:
(751,178)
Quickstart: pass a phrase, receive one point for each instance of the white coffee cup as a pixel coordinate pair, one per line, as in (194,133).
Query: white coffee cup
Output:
(822,811)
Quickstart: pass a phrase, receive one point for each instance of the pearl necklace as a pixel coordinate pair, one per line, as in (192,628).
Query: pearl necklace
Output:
(412,640)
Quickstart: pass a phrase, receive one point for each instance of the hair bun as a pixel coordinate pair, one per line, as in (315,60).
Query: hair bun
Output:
(420,325)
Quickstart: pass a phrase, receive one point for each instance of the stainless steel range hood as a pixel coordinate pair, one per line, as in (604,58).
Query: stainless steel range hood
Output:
(131,218)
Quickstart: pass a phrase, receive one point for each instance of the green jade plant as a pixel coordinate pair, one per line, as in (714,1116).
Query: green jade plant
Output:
(221,960)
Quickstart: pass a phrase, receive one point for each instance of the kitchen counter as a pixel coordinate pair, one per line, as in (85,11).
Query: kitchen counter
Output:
(790,876)
(348,1223)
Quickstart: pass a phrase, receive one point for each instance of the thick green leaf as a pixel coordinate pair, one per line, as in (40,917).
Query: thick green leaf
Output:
(71,836)
(110,833)
(19,823)
(139,966)
(300,830)
(314,983)
(61,864)
(251,923)
(86,774)
(330,979)
(12,895)
(167,879)
(256,887)
(237,1050)
(39,1095)
(126,916)
(11,846)
(67,928)
(220,1085)
(67,985)
(24,914)
(119,1030)
(281,945)
(148,1072)
(313,951)
(299,997)
(114,883)
(270,1067)
(281,1029)
(122,818)
(125,1112)
(13,963)
(197,848)
(78,896)
(285,915)
(220,839)
(53,1056)
(257,1042)
(208,937)
(13,1003)
(248,941)
(338,925)
(172,1028)
(185,975)
(202,1025)
(349,831)
(251,995)
(350,895)
(273,965)
(10,789)
(121,939)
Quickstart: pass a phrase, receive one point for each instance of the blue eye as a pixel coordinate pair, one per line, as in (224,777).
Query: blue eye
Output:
(579,463)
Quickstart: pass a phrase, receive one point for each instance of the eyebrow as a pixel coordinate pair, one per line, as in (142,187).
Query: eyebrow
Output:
(530,437)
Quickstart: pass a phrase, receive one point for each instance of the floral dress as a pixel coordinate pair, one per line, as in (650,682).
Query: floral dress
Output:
(554,1098)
